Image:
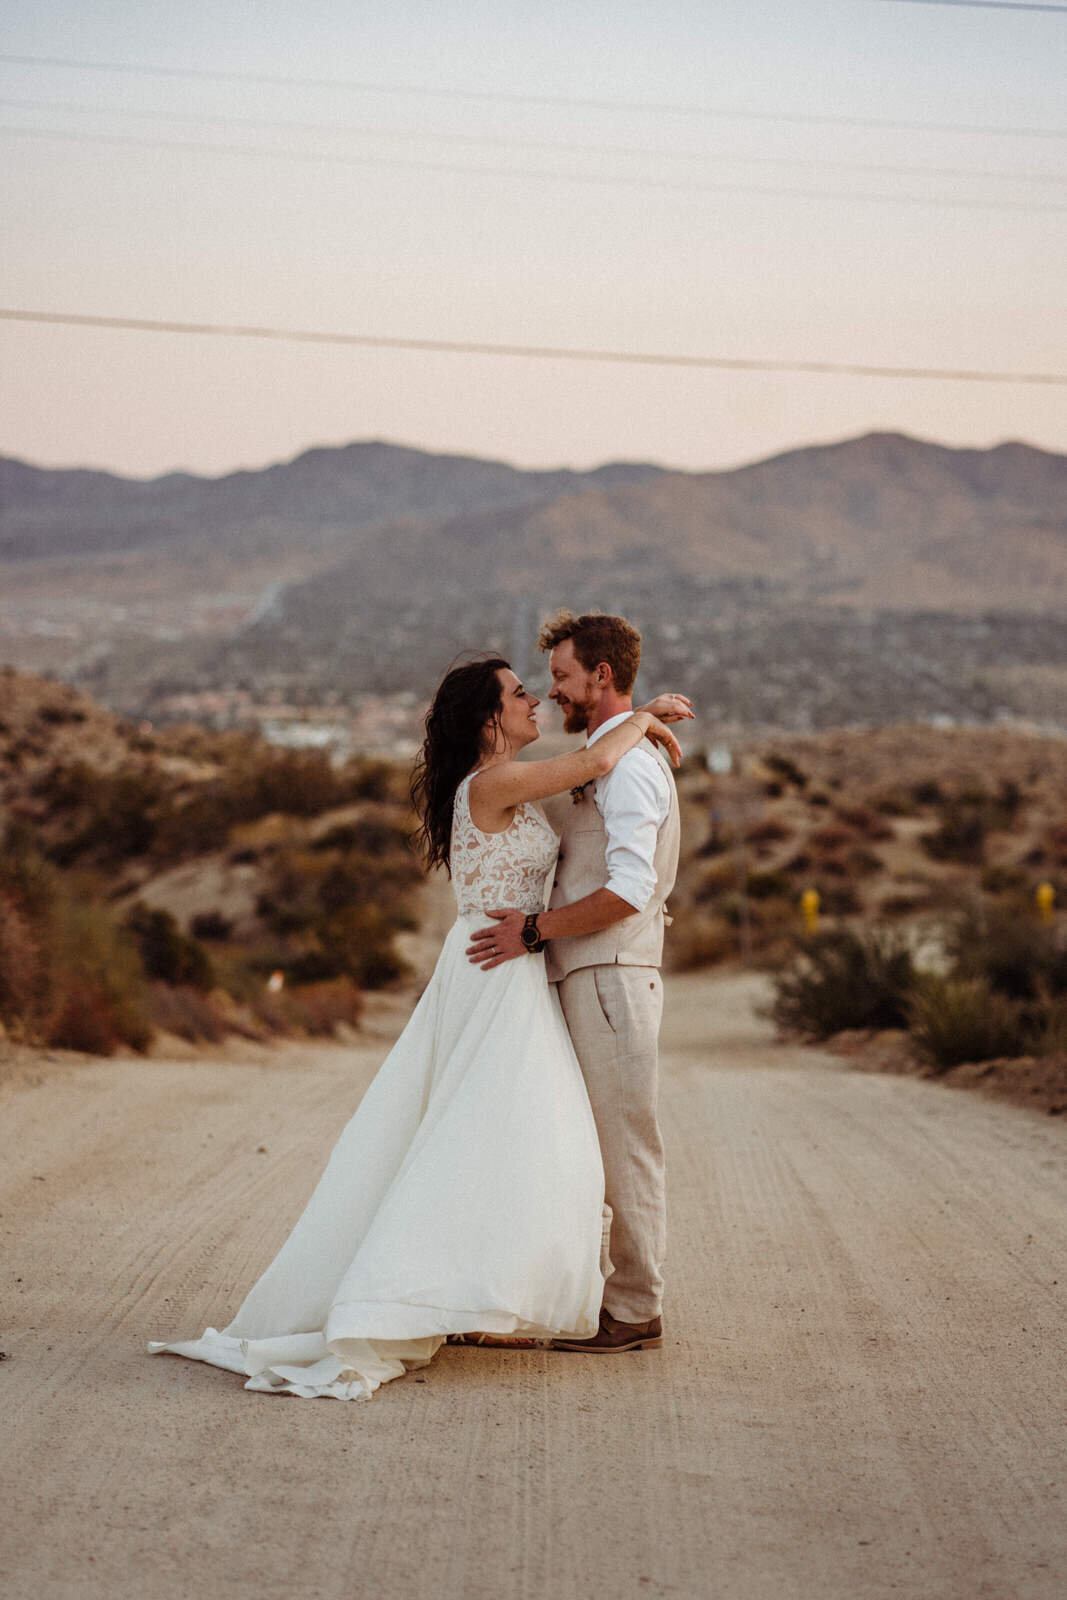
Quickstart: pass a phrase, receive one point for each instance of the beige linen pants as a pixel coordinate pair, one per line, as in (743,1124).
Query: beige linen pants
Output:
(613,1013)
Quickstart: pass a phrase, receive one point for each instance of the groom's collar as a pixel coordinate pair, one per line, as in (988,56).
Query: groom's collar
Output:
(612,722)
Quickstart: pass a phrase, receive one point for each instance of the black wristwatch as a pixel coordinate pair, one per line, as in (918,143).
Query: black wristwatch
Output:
(529,935)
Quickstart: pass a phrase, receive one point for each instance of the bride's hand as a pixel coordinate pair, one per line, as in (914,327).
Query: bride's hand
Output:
(669,707)
(662,735)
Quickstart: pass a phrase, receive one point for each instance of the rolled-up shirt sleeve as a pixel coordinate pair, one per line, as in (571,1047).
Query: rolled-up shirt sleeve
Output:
(633,799)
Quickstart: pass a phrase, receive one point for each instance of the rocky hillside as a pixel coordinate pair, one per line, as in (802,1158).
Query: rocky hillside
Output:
(189,882)
(862,581)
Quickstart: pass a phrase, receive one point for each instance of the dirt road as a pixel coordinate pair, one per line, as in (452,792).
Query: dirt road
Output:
(860,1392)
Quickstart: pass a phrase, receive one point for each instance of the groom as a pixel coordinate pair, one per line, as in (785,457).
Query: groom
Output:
(604,927)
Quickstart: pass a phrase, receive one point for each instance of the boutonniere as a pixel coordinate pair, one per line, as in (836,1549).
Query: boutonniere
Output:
(578,792)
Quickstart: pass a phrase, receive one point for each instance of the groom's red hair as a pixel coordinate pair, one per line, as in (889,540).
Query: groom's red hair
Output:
(597,637)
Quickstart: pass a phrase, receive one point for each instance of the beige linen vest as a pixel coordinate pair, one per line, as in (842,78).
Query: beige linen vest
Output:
(637,941)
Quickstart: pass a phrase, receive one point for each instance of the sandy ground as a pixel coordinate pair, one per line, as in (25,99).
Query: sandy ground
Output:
(860,1392)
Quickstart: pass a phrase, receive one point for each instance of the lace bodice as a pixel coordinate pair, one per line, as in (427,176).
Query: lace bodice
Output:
(494,870)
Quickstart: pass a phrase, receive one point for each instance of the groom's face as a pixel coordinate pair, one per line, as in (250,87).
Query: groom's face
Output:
(575,690)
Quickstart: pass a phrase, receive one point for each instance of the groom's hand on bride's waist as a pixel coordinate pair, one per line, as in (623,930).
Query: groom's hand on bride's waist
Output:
(499,941)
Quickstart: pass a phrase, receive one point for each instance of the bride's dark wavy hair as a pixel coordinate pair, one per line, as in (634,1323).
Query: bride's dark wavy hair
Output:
(469,696)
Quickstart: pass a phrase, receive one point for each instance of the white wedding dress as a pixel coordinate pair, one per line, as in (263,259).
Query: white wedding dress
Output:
(465,1194)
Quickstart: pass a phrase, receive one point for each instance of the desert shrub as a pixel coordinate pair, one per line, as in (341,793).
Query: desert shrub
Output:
(927,792)
(862,863)
(108,815)
(211,925)
(801,862)
(963,1019)
(357,942)
(1003,879)
(865,820)
(23,980)
(26,878)
(338,910)
(84,1019)
(697,939)
(1055,843)
(257,780)
(903,905)
(831,836)
(1009,950)
(960,836)
(770,830)
(786,768)
(187,1012)
(999,807)
(167,954)
(718,879)
(1009,801)
(320,1008)
(99,998)
(837,899)
(967,817)
(841,980)
(897,802)
(819,798)
(370,778)
(371,836)
(1050,1030)
(69,974)
(767,885)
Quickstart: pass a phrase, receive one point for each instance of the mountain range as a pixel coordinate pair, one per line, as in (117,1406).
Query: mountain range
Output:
(364,567)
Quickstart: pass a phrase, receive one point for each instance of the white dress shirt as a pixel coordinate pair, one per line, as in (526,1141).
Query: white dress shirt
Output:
(634,799)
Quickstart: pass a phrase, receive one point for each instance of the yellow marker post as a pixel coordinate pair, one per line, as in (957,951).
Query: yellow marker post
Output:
(809,906)
(1046,899)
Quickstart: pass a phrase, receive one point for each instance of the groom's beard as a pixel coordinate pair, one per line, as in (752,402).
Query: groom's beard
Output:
(575,717)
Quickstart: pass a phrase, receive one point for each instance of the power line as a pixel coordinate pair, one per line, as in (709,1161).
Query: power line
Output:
(551,175)
(983,5)
(535,352)
(492,141)
(495,96)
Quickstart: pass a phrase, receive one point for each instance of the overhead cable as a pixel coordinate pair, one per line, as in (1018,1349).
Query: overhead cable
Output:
(491,96)
(543,174)
(984,5)
(535,352)
(492,141)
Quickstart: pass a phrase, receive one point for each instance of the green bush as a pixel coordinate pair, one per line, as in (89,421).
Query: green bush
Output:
(167,954)
(960,836)
(865,820)
(841,980)
(953,1020)
(1050,1030)
(186,1011)
(23,979)
(99,998)
(1009,949)
(768,885)
(786,768)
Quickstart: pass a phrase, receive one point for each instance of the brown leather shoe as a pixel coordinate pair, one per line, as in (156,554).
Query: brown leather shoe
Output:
(614,1337)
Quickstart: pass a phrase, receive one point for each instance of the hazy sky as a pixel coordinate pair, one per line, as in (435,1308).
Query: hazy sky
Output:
(623,221)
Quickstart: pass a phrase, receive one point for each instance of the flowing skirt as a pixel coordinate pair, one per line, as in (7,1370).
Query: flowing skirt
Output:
(465,1194)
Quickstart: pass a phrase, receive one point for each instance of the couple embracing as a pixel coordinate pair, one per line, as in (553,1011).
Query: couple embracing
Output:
(502,1179)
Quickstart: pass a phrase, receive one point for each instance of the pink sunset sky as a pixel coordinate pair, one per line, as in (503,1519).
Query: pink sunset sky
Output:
(880,182)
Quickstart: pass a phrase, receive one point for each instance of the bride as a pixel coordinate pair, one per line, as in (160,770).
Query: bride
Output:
(466,1194)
